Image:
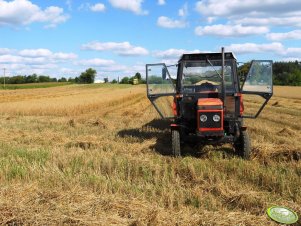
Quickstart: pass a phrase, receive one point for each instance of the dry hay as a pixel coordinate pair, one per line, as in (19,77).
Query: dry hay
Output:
(85,155)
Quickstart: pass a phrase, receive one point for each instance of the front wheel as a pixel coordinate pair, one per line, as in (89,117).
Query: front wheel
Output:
(176,143)
(242,145)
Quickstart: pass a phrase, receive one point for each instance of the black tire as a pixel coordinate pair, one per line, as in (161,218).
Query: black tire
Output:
(176,143)
(243,146)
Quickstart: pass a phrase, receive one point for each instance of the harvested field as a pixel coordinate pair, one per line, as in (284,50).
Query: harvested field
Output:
(97,155)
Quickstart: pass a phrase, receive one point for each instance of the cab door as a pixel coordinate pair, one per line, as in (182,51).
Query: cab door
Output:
(161,89)
(257,87)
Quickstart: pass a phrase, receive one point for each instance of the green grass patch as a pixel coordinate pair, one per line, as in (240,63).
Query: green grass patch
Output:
(105,85)
(16,171)
(34,85)
(21,163)
(38,156)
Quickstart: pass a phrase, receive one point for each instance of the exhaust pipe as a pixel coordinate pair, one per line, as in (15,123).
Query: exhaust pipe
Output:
(223,77)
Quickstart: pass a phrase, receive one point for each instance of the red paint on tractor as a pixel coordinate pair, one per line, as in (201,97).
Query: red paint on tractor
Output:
(208,103)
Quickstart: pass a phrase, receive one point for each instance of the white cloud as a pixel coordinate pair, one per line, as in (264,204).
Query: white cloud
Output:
(23,12)
(39,61)
(292,59)
(69,4)
(246,7)
(293,52)
(166,22)
(277,21)
(211,19)
(121,48)
(36,57)
(130,5)
(63,56)
(13,59)
(4,51)
(230,30)
(296,34)
(46,54)
(173,53)
(35,53)
(99,7)
(245,48)
(276,48)
(161,2)
(97,62)
(253,12)
(183,12)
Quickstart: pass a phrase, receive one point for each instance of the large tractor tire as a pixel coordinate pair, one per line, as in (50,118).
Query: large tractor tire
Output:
(242,145)
(176,143)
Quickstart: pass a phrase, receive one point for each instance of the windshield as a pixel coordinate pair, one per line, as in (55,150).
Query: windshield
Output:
(206,76)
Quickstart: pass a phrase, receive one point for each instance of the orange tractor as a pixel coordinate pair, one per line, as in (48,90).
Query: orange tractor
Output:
(203,95)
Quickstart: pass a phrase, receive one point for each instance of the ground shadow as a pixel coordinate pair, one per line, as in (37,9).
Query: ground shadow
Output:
(160,129)
(157,128)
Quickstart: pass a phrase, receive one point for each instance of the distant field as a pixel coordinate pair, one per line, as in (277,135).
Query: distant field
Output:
(34,85)
(97,155)
(288,91)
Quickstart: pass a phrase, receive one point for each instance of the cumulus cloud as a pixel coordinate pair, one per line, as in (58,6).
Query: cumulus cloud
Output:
(46,54)
(130,5)
(276,48)
(253,12)
(245,48)
(39,61)
(183,12)
(267,21)
(24,12)
(296,34)
(97,62)
(35,53)
(292,59)
(69,4)
(121,48)
(166,22)
(230,30)
(35,57)
(247,7)
(161,2)
(63,56)
(99,7)
(173,53)
(4,51)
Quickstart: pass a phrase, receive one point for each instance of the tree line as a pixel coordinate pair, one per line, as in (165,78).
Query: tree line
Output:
(85,77)
(130,80)
(34,78)
(284,73)
(287,73)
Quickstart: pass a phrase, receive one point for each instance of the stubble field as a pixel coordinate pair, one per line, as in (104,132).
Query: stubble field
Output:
(97,155)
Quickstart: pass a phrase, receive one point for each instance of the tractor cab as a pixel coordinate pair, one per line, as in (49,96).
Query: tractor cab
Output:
(203,94)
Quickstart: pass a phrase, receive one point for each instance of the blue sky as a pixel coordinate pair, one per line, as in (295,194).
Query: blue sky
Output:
(118,37)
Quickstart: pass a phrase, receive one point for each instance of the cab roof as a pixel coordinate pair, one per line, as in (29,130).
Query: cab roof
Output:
(204,56)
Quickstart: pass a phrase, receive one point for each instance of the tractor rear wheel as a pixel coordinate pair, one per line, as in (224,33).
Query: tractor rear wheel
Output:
(243,146)
(176,143)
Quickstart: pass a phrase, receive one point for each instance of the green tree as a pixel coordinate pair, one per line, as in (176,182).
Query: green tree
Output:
(138,76)
(63,79)
(88,76)
(31,78)
(43,78)
(71,80)
(125,80)
(19,79)
(114,81)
